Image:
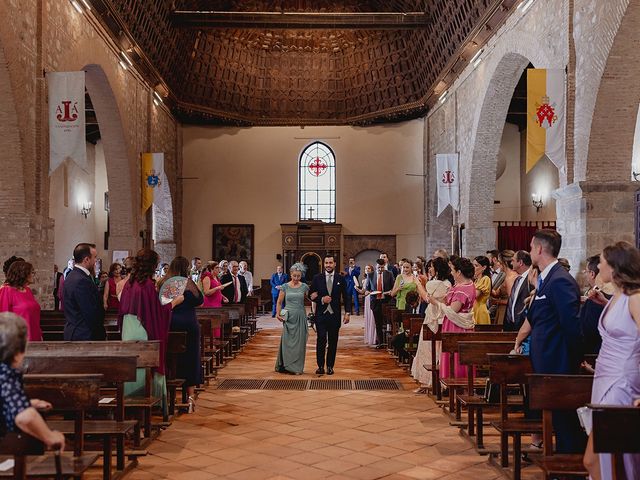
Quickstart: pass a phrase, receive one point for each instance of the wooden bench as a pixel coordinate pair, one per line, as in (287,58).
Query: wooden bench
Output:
(558,392)
(52,324)
(615,431)
(473,355)
(505,370)
(69,393)
(412,324)
(450,342)
(176,344)
(435,339)
(115,370)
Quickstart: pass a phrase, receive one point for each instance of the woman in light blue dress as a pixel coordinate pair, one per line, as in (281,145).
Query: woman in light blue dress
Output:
(293,343)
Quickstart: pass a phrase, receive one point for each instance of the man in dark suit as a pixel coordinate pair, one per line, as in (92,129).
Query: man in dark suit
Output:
(326,290)
(57,275)
(277,280)
(387,265)
(515,314)
(83,310)
(237,291)
(353,271)
(383,282)
(555,330)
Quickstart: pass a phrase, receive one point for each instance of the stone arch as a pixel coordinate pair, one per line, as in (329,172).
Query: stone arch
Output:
(612,132)
(12,187)
(122,200)
(356,244)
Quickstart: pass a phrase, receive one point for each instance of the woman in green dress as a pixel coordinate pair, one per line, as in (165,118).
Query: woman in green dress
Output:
(405,283)
(143,317)
(293,343)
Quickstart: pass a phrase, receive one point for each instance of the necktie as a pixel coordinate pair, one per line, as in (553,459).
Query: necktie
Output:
(379,286)
(539,283)
(235,289)
(329,289)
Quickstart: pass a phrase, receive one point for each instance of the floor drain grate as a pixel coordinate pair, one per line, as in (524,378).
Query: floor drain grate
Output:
(315,384)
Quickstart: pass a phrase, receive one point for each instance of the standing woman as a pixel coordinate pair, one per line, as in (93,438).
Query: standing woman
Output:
(125,273)
(183,319)
(405,283)
(110,297)
(437,288)
(143,317)
(211,286)
(293,342)
(482,281)
(617,377)
(16,297)
(369,322)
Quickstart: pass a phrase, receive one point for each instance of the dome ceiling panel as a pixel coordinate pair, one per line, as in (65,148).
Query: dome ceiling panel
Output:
(245,74)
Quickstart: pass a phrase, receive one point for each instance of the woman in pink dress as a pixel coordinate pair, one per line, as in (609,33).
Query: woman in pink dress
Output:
(460,300)
(110,298)
(16,297)
(212,289)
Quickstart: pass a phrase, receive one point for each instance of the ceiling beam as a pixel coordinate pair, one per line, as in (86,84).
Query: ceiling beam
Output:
(300,20)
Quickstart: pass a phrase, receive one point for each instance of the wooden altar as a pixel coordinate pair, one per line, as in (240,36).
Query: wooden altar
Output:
(308,242)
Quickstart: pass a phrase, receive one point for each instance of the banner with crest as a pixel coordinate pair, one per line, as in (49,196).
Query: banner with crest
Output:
(448,181)
(155,187)
(67,137)
(546,116)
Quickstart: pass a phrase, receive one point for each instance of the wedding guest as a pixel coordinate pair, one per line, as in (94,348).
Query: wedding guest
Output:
(143,317)
(419,272)
(440,253)
(387,265)
(18,412)
(248,276)
(457,311)
(211,286)
(482,282)
(437,288)
(70,264)
(277,280)
(102,283)
(353,271)
(125,273)
(383,285)
(591,310)
(405,283)
(366,287)
(196,269)
(16,297)
(514,315)
(236,292)
(183,319)
(110,297)
(224,268)
(617,377)
(8,262)
(56,285)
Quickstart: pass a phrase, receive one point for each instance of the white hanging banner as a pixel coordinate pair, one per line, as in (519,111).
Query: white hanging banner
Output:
(67,138)
(448,181)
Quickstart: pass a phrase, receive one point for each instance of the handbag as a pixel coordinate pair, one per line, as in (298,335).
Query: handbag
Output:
(284,313)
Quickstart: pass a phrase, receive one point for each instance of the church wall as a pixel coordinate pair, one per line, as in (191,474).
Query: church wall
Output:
(251,176)
(508,173)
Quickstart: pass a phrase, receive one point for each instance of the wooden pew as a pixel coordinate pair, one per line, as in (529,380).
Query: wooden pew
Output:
(219,319)
(19,446)
(507,370)
(473,355)
(115,369)
(450,342)
(411,323)
(69,393)
(490,327)
(615,431)
(434,367)
(558,392)
(52,325)
(176,344)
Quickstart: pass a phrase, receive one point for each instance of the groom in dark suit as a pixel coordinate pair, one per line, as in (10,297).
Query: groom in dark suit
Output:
(326,290)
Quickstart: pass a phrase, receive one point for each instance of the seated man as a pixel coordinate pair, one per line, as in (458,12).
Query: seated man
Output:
(17,411)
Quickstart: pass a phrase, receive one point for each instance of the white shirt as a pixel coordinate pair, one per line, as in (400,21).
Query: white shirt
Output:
(80,267)
(248,276)
(546,271)
(236,282)
(521,279)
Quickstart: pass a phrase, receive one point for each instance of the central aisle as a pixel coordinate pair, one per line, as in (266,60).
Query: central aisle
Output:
(262,434)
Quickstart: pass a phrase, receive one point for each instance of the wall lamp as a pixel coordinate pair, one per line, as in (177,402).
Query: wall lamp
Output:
(636,175)
(85,209)
(536,200)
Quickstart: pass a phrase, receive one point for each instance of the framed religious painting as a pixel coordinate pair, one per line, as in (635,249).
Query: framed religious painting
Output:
(233,242)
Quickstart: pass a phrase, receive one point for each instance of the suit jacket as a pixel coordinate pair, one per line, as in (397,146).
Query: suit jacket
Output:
(83,309)
(512,323)
(349,278)
(338,292)
(387,286)
(229,291)
(555,327)
(589,318)
(57,285)
(276,281)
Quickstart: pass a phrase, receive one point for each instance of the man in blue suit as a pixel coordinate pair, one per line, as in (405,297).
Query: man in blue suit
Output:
(353,271)
(83,310)
(326,290)
(277,279)
(555,330)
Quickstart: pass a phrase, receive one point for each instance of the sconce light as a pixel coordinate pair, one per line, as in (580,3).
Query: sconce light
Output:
(85,210)
(636,175)
(536,200)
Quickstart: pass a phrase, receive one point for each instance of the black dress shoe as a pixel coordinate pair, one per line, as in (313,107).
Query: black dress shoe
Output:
(329,371)
(320,371)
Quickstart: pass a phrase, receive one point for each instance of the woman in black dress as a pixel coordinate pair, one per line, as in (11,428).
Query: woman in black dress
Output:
(183,319)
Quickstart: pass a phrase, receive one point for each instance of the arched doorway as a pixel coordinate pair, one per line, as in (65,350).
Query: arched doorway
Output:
(313,262)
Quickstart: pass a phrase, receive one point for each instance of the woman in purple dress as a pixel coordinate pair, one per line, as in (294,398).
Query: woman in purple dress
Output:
(617,376)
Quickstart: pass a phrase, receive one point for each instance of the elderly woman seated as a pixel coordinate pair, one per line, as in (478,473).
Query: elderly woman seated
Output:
(18,412)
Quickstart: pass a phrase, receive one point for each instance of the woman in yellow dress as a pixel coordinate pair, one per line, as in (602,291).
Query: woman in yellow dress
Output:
(482,281)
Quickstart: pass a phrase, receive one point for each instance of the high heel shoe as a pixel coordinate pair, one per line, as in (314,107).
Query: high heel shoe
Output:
(192,405)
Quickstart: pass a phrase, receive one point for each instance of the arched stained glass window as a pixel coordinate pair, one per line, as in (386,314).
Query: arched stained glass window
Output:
(317,183)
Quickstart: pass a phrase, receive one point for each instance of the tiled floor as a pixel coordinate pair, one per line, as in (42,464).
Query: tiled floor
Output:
(309,435)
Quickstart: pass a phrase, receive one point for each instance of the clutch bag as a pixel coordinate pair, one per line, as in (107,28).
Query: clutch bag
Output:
(284,313)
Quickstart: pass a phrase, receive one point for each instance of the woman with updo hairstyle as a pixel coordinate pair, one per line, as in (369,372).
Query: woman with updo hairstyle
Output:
(16,297)
(293,342)
(617,376)
(143,317)
(482,282)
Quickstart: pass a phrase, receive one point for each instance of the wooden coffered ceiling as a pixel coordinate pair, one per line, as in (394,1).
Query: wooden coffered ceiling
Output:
(299,62)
